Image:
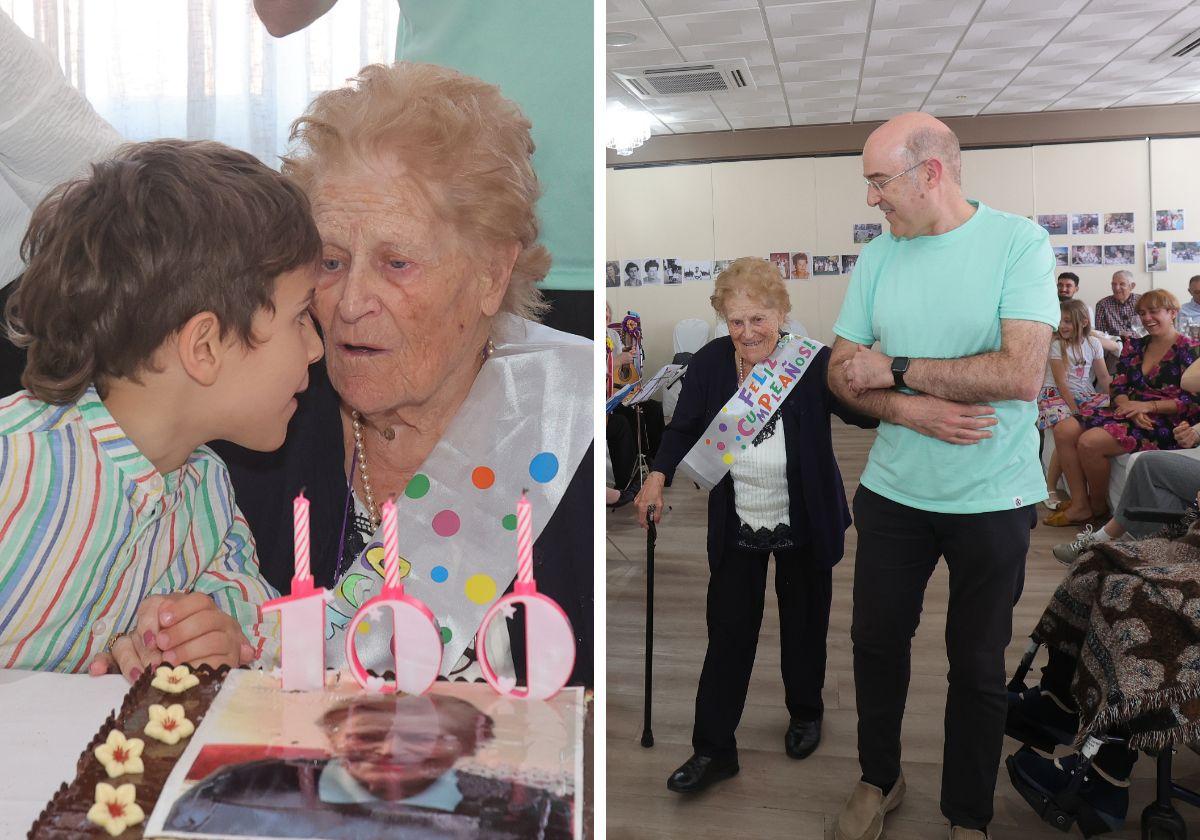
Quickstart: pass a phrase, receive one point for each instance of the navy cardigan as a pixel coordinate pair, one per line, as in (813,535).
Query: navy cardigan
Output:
(817,505)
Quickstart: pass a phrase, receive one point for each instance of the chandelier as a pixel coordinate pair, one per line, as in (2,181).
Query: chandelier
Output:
(625,129)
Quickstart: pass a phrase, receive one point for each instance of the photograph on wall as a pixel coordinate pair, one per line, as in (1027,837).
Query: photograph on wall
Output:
(1185,252)
(1055,224)
(1084,224)
(826,265)
(649,271)
(1062,255)
(1120,254)
(865,232)
(672,271)
(631,272)
(1086,255)
(458,761)
(800,265)
(612,274)
(1168,220)
(719,266)
(848,261)
(1118,222)
(782,260)
(1156,256)
(697,270)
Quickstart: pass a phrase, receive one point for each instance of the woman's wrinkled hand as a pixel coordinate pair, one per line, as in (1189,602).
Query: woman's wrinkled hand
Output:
(650,495)
(1186,435)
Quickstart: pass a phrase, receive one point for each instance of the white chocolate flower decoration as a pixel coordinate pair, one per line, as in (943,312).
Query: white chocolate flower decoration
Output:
(169,724)
(174,680)
(115,809)
(120,755)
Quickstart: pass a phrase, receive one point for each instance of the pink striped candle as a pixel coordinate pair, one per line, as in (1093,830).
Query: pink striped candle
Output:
(391,545)
(303,568)
(524,540)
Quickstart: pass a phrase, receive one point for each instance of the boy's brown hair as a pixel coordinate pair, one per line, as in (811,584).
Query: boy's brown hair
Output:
(120,260)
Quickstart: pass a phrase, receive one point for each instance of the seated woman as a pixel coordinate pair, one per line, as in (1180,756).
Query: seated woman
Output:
(1147,403)
(781,494)
(1076,356)
(1123,639)
(436,388)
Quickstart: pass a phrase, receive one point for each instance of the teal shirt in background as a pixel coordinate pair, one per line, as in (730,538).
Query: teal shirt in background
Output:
(539,53)
(943,297)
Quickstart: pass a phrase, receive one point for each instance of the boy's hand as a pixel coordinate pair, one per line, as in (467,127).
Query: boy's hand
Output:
(120,658)
(193,630)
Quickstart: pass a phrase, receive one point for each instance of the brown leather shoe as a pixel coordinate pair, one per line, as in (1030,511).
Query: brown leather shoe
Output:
(862,816)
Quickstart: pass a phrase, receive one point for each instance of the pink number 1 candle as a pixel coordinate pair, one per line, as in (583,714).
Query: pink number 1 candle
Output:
(301,614)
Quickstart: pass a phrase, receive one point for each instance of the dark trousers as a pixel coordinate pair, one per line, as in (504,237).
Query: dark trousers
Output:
(1116,760)
(622,449)
(736,589)
(898,548)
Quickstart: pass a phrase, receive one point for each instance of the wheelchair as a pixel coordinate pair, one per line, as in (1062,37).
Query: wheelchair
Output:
(1160,819)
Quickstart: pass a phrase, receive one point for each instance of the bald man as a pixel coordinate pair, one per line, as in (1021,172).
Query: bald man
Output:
(961,299)
(1117,313)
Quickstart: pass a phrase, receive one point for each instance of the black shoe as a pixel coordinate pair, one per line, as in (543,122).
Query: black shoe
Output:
(802,737)
(700,771)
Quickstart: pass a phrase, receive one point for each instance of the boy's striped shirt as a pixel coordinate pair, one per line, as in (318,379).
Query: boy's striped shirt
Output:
(89,528)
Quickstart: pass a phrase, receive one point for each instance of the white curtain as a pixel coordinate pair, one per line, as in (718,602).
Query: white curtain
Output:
(204,69)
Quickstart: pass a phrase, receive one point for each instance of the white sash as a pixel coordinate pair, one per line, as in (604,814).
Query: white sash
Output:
(529,408)
(748,410)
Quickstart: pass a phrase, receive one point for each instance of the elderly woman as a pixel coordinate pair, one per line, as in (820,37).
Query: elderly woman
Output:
(782,495)
(437,388)
(1147,404)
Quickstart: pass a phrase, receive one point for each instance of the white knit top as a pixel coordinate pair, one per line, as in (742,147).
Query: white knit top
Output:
(48,133)
(760,491)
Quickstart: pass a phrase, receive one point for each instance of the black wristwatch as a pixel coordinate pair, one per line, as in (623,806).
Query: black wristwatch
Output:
(899,368)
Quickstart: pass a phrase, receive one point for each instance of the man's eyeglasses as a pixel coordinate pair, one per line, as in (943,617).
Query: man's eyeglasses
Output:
(879,185)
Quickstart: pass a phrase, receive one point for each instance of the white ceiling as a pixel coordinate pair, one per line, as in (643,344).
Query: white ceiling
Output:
(840,61)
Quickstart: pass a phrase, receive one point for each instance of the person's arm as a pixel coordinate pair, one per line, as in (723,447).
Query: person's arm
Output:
(1100,371)
(942,419)
(233,581)
(1059,369)
(283,17)
(1190,381)
(1014,372)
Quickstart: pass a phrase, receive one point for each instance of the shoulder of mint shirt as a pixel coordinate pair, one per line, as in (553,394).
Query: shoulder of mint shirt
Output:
(943,297)
(539,53)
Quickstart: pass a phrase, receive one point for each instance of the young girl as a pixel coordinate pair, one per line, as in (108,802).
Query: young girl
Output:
(1076,356)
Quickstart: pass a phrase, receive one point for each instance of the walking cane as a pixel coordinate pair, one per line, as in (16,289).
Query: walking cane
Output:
(651,536)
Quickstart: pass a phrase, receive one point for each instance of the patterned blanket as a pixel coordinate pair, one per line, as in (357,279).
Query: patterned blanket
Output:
(1129,613)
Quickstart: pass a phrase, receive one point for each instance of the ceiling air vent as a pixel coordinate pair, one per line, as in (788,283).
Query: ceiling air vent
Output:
(1187,48)
(687,80)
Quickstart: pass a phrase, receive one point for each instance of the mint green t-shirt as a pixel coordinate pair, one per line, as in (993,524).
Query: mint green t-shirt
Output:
(539,53)
(943,297)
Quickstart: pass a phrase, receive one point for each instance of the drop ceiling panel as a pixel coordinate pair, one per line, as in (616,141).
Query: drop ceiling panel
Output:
(912,14)
(619,10)
(715,27)
(755,52)
(836,61)
(820,48)
(1006,58)
(842,17)
(937,39)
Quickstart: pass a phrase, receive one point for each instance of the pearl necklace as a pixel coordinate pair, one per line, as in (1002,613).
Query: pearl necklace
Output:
(360,452)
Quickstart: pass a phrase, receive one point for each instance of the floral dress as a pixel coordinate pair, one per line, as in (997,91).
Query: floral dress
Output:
(1162,383)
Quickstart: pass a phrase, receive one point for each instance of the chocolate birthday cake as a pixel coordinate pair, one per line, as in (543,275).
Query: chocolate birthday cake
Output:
(145,766)
(228,753)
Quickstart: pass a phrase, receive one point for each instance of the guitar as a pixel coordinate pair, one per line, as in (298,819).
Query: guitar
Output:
(630,328)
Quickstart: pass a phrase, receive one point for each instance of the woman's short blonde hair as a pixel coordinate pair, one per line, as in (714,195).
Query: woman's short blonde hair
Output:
(755,276)
(1157,299)
(467,147)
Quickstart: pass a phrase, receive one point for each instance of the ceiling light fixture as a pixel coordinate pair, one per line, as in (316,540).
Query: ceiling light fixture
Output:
(625,129)
(619,39)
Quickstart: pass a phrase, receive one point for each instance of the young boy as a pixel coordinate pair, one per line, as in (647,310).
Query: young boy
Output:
(164,305)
